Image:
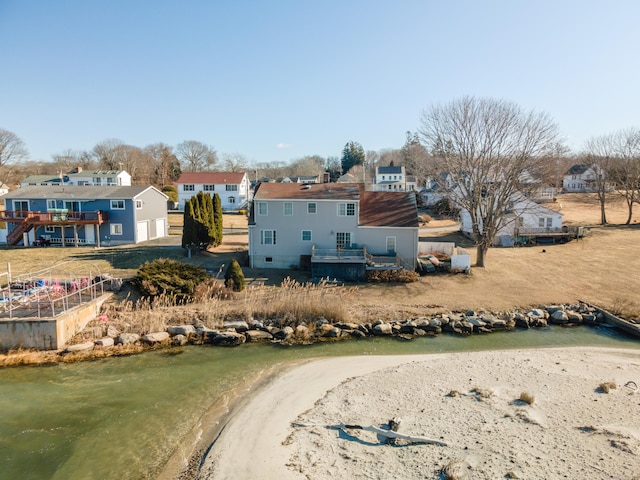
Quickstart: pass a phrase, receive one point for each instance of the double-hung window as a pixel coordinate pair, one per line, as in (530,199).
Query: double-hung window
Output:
(232,188)
(346,209)
(208,188)
(117,204)
(288,209)
(262,208)
(312,207)
(267,237)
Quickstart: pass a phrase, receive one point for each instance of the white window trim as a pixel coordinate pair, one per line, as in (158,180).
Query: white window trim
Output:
(395,243)
(273,237)
(49,229)
(315,208)
(114,227)
(138,204)
(284,209)
(117,208)
(266,209)
(345,206)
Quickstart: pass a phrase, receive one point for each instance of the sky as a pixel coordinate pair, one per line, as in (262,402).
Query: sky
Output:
(278,80)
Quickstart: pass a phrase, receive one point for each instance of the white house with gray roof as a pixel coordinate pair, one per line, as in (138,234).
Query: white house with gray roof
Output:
(80,177)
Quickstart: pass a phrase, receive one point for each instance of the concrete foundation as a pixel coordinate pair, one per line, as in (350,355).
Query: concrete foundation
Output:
(48,333)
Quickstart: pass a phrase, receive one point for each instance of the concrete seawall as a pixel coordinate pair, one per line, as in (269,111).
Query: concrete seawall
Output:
(48,333)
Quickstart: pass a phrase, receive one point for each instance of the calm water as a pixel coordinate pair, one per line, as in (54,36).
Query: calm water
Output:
(122,418)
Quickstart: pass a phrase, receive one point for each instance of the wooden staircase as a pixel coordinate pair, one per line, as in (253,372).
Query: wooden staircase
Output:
(15,235)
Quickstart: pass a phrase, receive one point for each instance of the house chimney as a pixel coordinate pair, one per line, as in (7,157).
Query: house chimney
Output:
(78,169)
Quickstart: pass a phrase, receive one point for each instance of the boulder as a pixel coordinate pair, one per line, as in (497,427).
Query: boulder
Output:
(590,318)
(324,329)
(574,317)
(104,342)
(539,322)
(551,309)
(155,337)
(348,326)
(536,313)
(112,331)
(498,324)
(559,317)
(127,338)
(258,336)
(239,326)
(382,329)
(407,329)
(522,321)
(334,332)
(302,331)
(179,340)
(283,333)
(466,327)
(185,330)
(229,339)
(358,334)
(476,322)
(79,347)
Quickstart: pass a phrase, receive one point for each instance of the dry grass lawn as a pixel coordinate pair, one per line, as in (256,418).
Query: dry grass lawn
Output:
(603,268)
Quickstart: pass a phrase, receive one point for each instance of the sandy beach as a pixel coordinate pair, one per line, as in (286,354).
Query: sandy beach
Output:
(569,428)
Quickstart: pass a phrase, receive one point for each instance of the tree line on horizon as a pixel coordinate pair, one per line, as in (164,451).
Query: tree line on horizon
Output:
(491,150)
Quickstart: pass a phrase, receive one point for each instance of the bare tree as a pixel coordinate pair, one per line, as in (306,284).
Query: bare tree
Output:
(235,162)
(196,156)
(165,164)
(12,152)
(486,146)
(110,154)
(70,159)
(616,160)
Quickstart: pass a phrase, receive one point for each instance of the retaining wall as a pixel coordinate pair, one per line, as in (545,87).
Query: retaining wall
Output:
(48,333)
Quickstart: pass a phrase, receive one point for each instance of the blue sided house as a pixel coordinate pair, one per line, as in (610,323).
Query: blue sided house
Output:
(84,215)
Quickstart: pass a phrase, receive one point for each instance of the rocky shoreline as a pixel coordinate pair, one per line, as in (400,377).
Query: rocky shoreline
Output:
(238,332)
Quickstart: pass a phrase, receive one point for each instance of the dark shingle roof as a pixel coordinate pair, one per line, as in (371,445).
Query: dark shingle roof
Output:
(76,192)
(388,209)
(377,209)
(578,169)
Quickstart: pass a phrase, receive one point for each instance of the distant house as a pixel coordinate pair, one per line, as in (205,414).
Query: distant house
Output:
(394,179)
(335,229)
(347,178)
(583,178)
(85,215)
(80,177)
(4,188)
(233,188)
(526,217)
(305,179)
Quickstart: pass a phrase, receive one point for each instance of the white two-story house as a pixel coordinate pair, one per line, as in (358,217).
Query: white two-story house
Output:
(81,178)
(233,188)
(394,179)
(583,178)
(292,225)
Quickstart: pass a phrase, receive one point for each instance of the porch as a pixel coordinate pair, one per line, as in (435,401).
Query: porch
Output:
(25,221)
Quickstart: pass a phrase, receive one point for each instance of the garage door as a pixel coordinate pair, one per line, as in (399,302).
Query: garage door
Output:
(160,227)
(142,232)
